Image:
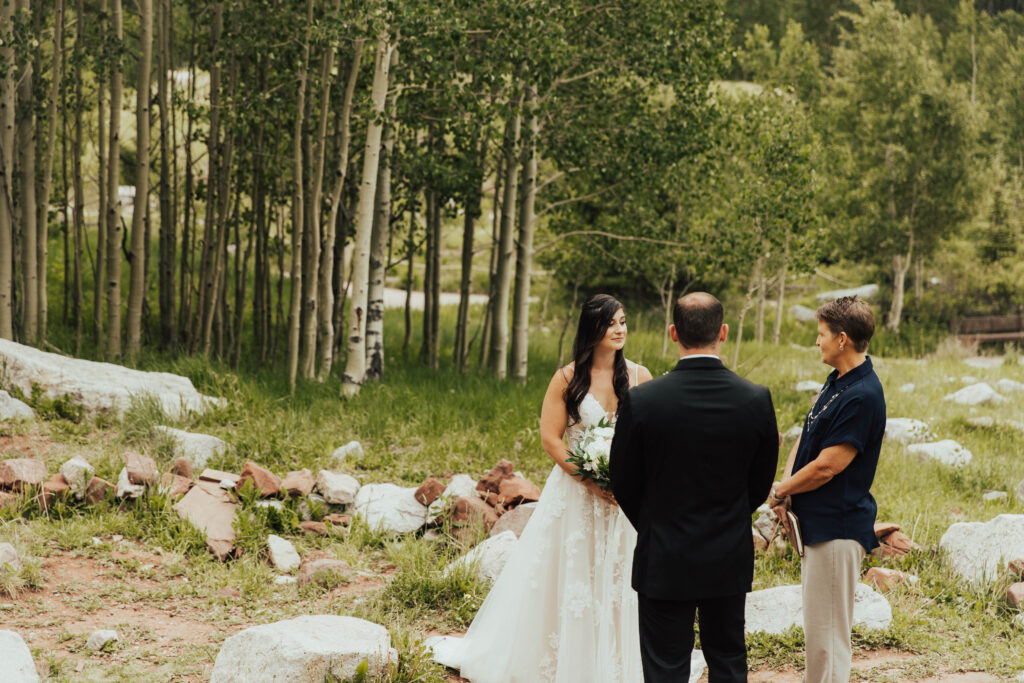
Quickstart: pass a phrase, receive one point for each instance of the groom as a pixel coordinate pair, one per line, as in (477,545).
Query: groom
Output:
(694,454)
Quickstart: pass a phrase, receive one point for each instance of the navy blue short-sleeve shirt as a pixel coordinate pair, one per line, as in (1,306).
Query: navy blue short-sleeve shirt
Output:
(850,409)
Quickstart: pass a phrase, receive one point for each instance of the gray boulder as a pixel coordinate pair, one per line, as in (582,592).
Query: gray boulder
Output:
(337,489)
(99,386)
(977,551)
(17,659)
(984,362)
(353,450)
(802,314)
(99,639)
(309,648)
(9,556)
(489,557)
(864,292)
(773,610)
(283,554)
(13,410)
(390,508)
(199,449)
(77,473)
(906,430)
(976,394)
(515,520)
(947,452)
(1009,386)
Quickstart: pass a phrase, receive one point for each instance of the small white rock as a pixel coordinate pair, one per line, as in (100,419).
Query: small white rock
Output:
(1009,386)
(984,362)
(969,379)
(984,421)
(276,504)
(283,554)
(808,385)
(353,449)
(8,555)
(947,452)
(337,489)
(99,639)
(77,472)
(992,496)
(285,580)
(199,449)
(907,388)
(976,394)
(125,488)
(13,410)
(460,486)
(906,430)
(390,508)
(489,557)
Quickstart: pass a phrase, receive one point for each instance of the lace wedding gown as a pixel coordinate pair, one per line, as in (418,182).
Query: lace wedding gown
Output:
(562,610)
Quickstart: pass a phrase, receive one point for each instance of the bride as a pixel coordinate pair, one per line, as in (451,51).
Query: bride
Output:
(562,609)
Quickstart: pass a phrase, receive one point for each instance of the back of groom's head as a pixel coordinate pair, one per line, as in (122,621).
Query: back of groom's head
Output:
(698,319)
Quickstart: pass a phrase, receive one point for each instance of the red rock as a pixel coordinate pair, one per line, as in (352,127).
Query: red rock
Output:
(885,528)
(299,483)
(430,490)
(1015,594)
(473,512)
(141,468)
(492,480)
(516,490)
(514,520)
(494,500)
(759,543)
(216,476)
(321,571)
(338,519)
(317,528)
(54,487)
(16,473)
(6,498)
(265,481)
(96,491)
(211,509)
(183,468)
(884,579)
(175,485)
(1016,567)
(896,544)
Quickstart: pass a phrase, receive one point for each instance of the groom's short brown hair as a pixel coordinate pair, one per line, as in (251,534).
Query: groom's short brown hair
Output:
(698,319)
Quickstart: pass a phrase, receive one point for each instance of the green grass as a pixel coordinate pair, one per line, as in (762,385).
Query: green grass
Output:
(420,423)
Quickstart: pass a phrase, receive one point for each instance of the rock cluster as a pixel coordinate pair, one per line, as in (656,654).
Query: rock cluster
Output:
(893,542)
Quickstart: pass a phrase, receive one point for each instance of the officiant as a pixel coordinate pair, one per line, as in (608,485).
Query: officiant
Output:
(827,484)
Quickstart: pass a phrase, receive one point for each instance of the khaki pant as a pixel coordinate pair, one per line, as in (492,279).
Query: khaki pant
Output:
(829,573)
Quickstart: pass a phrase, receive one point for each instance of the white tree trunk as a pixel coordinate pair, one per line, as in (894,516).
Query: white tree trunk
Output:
(7,122)
(379,239)
(355,363)
(498,359)
(140,214)
(113,284)
(326,279)
(780,300)
(524,254)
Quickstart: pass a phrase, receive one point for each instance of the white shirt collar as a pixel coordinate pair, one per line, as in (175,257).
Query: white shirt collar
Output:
(700,355)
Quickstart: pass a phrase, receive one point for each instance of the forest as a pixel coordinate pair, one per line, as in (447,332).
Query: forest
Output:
(242,180)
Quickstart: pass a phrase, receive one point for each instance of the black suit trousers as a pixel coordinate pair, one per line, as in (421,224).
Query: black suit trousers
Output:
(666,638)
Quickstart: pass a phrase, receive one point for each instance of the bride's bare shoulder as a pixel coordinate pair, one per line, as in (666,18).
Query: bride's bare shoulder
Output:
(564,375)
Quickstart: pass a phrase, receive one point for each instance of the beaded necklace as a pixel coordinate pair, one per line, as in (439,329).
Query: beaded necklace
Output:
(812,416)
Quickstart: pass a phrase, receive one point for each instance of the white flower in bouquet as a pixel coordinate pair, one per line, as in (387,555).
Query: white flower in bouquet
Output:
(598,448)
(604,433)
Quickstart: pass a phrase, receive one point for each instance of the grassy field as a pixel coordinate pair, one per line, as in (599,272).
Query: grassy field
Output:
(140,570)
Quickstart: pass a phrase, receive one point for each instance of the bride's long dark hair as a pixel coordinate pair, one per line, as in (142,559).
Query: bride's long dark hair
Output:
(596,317)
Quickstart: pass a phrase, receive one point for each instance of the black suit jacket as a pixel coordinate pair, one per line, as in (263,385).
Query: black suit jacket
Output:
(694,454)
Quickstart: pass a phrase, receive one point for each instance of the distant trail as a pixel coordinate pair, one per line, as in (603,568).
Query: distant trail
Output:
(395,298)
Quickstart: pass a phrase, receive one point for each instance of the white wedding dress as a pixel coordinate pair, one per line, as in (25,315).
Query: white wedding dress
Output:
(562,610)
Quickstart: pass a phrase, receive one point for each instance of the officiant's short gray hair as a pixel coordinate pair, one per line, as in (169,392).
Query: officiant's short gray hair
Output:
(698,319)
(850,315)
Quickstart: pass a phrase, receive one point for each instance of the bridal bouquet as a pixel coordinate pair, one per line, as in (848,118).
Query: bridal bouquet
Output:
(590,454)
